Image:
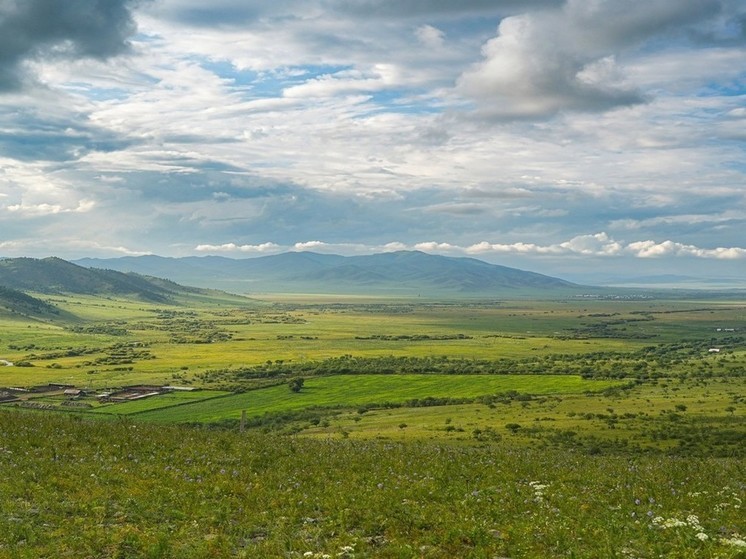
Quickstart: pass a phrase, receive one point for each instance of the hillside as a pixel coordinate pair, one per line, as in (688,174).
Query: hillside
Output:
(404,272)
(17,302)
(54,275)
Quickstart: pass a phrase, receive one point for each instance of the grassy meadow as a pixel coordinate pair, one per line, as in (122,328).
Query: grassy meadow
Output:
(376,427)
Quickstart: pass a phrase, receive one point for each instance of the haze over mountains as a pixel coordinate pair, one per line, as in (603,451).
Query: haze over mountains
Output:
(403,272)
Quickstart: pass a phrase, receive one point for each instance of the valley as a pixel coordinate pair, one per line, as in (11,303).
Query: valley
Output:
(463,426)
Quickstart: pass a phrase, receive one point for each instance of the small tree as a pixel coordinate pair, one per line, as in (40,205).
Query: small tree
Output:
(296,384)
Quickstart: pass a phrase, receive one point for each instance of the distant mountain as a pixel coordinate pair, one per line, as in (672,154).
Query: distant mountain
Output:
(404,272)
(54,275)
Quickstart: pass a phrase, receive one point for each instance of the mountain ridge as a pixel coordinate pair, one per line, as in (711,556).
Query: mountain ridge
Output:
(405,272)
(53,275)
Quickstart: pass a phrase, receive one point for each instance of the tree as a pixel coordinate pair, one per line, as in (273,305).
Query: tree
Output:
(296,384)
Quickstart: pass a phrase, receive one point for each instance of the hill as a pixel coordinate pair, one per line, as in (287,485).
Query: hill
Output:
(403,272)
(54,275)
(17,302)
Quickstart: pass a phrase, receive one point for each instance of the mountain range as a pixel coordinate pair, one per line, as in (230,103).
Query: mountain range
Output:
(403,272)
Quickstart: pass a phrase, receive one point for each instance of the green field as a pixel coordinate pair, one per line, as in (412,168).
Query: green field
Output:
(359,390)
(169,400)
(565,428)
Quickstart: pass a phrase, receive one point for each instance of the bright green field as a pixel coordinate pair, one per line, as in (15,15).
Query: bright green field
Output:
(157,402)
(357,390)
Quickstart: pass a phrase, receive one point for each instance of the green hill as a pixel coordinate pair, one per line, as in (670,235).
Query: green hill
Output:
(17,302)
(54,275)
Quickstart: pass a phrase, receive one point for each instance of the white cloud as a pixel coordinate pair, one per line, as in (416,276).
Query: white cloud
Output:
(534,68)
(678,220)
(310,245)
(66,247)
(598,245)
(393,247)
(232,247)
(380,77)
(36,210)
(548,61)
(432,246)
(430,36)
(652,249)
(601,245)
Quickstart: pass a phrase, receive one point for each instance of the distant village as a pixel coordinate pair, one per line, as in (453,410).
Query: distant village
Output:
(71,395)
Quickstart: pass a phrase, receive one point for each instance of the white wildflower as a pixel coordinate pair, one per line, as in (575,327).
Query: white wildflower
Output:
(735,541)
(701,536)
(693,521)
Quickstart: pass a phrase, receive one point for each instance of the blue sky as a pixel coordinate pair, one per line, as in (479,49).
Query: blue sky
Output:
(578,138)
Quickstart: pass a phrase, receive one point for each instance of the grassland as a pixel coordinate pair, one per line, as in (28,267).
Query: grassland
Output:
(82,488)
(567,428)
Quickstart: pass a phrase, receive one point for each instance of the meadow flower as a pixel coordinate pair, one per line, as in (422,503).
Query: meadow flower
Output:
(735,541)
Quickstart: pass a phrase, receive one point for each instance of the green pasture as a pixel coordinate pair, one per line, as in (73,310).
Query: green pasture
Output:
(357,390)
(170,399)
(123,489)
(658,416)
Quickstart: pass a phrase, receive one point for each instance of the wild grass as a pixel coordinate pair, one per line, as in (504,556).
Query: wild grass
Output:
(121,489)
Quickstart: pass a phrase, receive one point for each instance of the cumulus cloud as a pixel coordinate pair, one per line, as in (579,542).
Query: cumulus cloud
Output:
(652,249)
(432,246)
(566,59)
(601,245)
(310,245)
(593,245)
(33,29)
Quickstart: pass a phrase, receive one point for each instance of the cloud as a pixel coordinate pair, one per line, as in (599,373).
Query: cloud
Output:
(244,127)
(435,8)
(232,247)
(593,245)
(601,245)
(310,245)
(526,73)
(430,36)
(680,220)
(34,29)
(652,249)
(50,209)
(435,247)
(381,77)
(548,61)
(63,246)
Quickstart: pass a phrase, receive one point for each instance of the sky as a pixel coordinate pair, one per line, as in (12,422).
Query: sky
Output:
(578,138)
